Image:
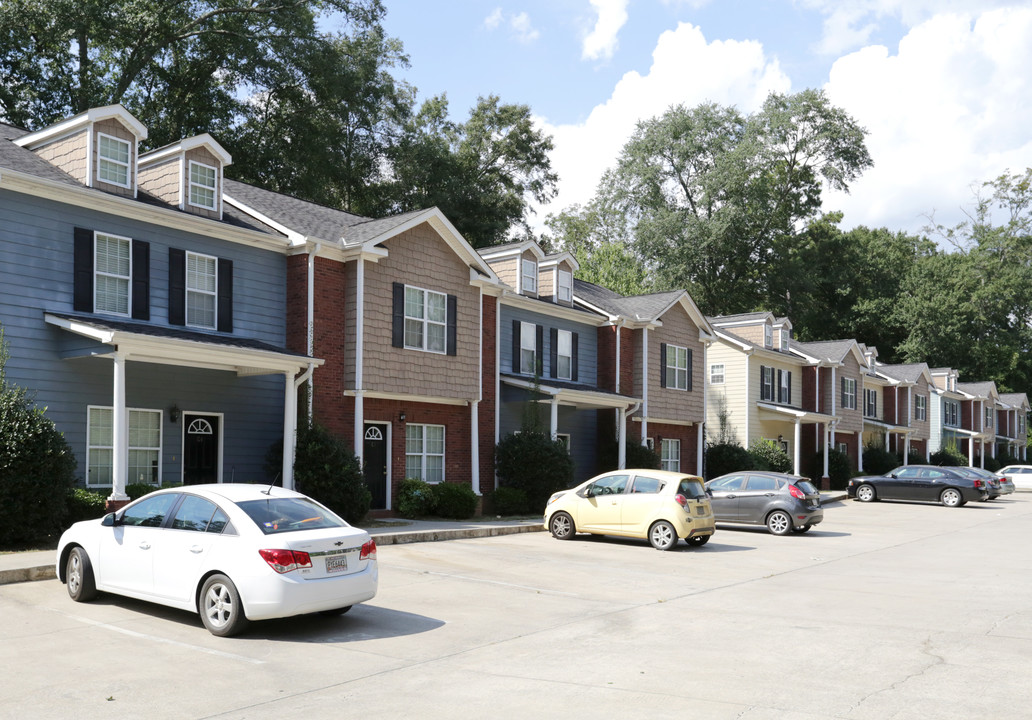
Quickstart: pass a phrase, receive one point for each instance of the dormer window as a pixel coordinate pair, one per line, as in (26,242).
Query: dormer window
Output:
(565,291)
(112,160)
(785,335)
(202,185)
(768,336)
(529,279)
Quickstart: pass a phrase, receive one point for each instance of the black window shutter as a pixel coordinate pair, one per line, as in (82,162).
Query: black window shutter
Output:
(780,392)
(176,286)
(575,362)
(453,310)
(789,398)
(398,315)
(690,369)
(662,365)
(763,389)
(141,280)
(842,384)
(516,346)
(224,322)
(553,352)
(82,274)
(538,348)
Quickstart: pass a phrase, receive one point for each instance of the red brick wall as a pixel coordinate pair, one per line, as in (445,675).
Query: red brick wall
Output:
(607,358)
(809,397)
(687,434)
(488,400)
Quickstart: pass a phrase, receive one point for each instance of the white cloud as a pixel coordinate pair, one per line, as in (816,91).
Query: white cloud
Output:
(686,69)
(601,41)
(523,28)
(948,111)
(493,20)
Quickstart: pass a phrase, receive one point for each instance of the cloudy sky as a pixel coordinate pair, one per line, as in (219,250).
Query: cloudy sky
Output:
(944,87)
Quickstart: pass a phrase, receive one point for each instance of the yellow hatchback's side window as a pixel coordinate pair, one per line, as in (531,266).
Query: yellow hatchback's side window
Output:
(612,485)
(646,485)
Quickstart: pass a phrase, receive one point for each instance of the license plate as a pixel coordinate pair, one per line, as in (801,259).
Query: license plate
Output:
(700,510)
(337,563)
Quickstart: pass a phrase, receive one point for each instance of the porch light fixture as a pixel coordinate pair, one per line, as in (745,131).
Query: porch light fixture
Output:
(401,418)
(173,413)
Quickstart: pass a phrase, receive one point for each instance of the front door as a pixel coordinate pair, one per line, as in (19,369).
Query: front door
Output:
(374,463)
(201,449)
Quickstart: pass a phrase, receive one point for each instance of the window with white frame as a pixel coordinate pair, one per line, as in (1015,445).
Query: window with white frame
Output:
(870,403)
(144,446)
(564,355)
(766,383)
(201,283)
(768,336)
(670,455)
(202,185)
(921,407)
(112,273)
(951,413)
(716,374)
(785,387)
(785,337)
(677,367)
(843,448)
(848,393)
(528,348)
(565,291)
(426,320)
(112,160)
(988,417)
(424,452)
(529,276)
(564,440)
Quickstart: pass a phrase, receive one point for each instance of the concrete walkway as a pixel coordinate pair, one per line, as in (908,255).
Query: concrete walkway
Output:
(39,564)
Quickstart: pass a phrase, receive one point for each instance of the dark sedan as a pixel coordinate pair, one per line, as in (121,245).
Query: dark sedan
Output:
(946,485)
(784,503)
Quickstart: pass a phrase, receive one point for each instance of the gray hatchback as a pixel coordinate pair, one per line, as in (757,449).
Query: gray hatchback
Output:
(784,503)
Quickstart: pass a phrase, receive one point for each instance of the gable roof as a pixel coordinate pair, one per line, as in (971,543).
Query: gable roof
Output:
(908,373)
(638,308)
(978,389)
(1015,400)
(829,350)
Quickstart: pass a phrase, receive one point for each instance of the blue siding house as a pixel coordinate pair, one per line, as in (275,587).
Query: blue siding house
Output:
(148,319)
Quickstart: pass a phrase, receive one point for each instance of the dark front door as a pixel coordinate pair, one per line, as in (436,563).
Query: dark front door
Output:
(201,449)
(374,463)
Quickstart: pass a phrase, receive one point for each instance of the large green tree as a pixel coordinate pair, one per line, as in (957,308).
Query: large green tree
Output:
(709,192)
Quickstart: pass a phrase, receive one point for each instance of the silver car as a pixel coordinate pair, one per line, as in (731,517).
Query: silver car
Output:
(784,503)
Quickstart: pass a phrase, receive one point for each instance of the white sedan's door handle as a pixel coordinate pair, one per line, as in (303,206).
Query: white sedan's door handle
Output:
(145,545)
(196,549)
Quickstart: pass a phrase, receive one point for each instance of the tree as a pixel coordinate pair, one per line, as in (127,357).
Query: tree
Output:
(709,191)
(481,173)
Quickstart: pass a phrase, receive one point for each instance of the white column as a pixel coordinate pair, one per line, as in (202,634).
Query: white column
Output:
(971,452)
(702,449)
(120,443)
(474,450)
(798,442)
(827,447)
(554,421)
(359,430)
(621,439)
(834,395)
(906,450)
(289,431)
(860,452)
(617,327)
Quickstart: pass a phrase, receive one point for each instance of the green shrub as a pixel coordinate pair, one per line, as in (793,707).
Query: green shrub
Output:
(37,469)
(947,456)
(327,470)
(840,469)
(415,498)
(136,491)
(723,458)
(916,458)
(533,462)
(636,455)
(509,501)
(991,464)
(83,504)
(768,455)
(455,500)
(878,460)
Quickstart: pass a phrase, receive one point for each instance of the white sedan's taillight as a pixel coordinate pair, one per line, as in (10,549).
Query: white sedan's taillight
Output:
(283,561)
(368,550)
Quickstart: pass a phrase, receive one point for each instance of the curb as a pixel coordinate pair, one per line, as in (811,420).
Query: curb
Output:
(29,574)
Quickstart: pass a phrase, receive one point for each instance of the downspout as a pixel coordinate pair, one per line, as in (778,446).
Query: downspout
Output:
(645,385)
(701,450)
(311,323)
(475,409)
(359,349)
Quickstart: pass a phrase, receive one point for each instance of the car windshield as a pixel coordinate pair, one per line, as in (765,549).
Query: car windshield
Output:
(807,487)
(279,515)
(691,488)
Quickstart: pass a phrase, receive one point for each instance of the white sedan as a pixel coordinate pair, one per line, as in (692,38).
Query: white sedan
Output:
(231,552)
(1020,475)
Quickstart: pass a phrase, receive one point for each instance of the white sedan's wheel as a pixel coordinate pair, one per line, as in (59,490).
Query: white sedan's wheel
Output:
(221,609)
(662,535)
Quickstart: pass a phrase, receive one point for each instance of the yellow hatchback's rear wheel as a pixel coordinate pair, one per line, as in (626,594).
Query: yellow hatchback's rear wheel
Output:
(662,535)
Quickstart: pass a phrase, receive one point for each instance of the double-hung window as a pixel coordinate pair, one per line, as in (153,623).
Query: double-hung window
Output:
(988,417)
(677,367)
(201,286)
(424,452)
(870,403)
(528,348)
(565,286)
(784,387)
(921,407)
(768,336)
(848,393)
(529,276)
(716,374)
(766,383)
(564,355)
(426,320)
(202,185)
(112,273)
(144,446)
(670,455)
(951,413)
(112,160)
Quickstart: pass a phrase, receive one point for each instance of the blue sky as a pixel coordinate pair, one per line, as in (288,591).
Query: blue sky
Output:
(944,87)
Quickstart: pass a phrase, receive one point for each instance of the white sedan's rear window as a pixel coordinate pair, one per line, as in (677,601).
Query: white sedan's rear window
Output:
(279,515)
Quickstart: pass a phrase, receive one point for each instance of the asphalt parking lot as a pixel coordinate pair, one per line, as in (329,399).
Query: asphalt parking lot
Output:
(886,610)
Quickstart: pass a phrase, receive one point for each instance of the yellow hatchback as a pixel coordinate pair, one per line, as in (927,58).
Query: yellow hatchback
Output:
(656,505)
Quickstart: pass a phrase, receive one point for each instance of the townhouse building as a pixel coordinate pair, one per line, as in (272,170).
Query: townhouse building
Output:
(905,401)
(143,312)
(1011,426)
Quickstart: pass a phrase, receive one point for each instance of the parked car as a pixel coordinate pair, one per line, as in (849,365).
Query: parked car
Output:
(658,505)
(1020,475)
(784,503)
(998,484)
(919,482)
(230,552)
